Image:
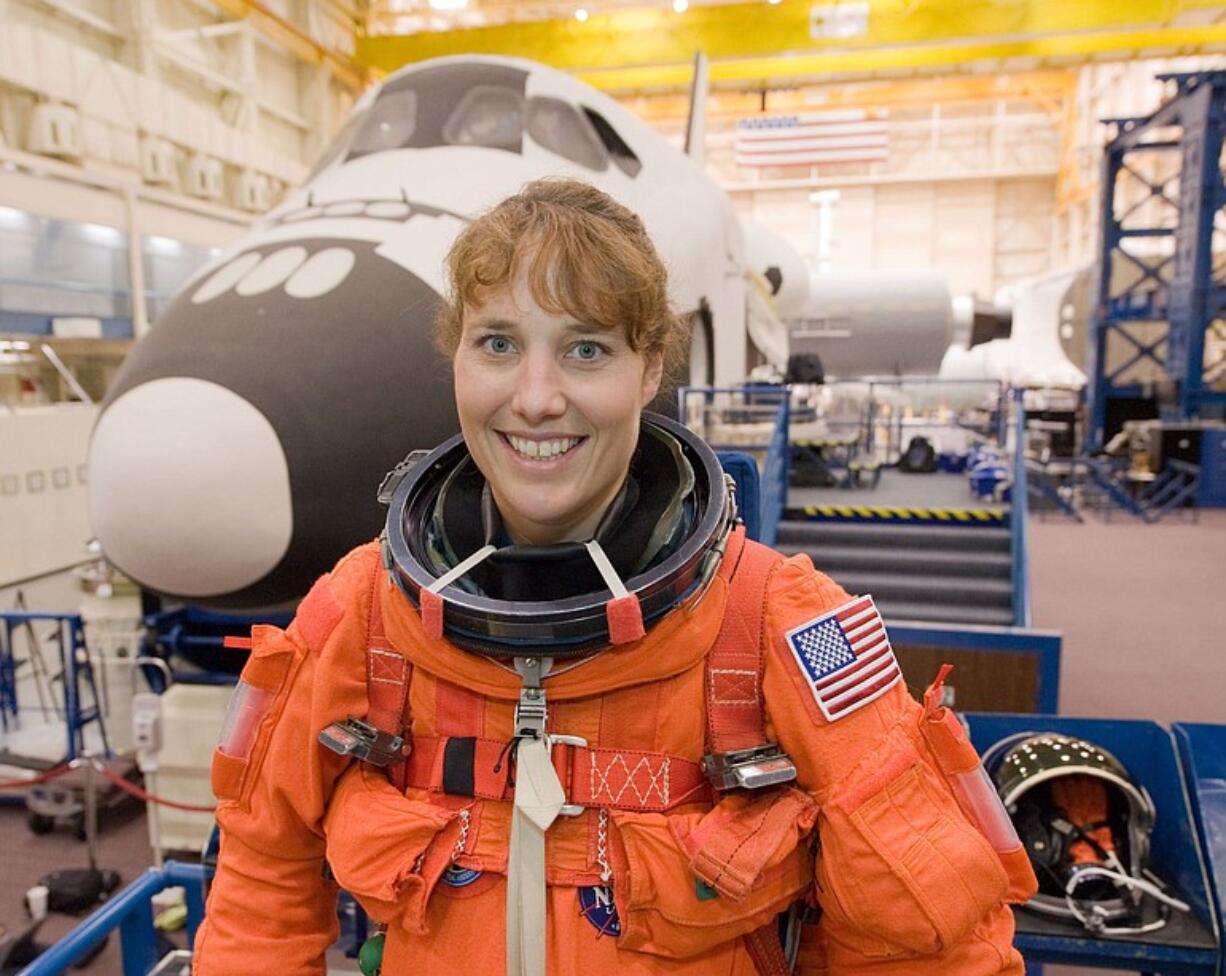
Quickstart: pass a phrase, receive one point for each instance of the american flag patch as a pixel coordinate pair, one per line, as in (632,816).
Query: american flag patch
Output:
(846,657)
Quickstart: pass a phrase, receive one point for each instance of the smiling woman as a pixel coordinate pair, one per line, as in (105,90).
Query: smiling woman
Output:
(727,736)
(549,406)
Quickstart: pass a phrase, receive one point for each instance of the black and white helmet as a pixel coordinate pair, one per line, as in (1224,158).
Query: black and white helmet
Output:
(1086,825)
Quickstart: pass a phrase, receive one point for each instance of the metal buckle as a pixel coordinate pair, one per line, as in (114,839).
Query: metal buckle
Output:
(531,711)
(569,809)
(749,769)
(391,480)
(363,741)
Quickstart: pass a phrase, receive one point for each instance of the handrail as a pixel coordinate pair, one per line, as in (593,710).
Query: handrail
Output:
(1017,516)
(129,911)
(775,473)
(69,637)
(773,405)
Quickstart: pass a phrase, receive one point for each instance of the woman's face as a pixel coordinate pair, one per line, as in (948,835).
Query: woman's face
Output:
(549,407)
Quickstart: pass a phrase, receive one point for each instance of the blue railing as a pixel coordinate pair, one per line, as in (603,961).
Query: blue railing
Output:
(775,474)
(131,912)
(1017,516)
(762,407)
(74,665)
(1106,484)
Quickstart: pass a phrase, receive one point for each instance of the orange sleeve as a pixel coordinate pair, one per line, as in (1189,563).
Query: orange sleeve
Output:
(269,907)
(906,884)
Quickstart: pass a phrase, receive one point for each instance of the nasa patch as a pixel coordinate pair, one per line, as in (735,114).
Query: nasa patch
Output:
(596,905)
(458,877)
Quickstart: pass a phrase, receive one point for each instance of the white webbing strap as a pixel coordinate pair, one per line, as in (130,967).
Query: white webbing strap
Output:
(607,573)
(538,799)
(460,569)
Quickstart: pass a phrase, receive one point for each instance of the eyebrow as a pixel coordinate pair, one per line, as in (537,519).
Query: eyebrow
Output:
(506,325)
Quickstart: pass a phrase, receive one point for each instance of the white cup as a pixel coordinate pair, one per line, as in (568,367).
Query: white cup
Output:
(36,901)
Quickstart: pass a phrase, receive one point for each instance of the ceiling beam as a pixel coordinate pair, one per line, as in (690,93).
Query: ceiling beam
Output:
(761,43)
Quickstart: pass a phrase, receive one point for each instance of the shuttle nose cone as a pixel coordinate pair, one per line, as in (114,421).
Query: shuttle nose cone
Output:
(202,473)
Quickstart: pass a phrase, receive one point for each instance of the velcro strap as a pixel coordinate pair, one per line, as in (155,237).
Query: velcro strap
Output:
(616,779)
(732,845)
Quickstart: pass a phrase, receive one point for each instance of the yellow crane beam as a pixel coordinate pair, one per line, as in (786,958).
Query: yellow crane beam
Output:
(758,42)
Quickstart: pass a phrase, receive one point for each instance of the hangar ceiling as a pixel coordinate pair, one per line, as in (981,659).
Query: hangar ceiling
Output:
(624,48)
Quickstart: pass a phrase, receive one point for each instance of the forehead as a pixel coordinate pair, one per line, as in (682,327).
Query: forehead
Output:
(514,304)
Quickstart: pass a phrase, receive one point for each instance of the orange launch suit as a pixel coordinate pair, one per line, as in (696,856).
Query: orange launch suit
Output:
(871,829)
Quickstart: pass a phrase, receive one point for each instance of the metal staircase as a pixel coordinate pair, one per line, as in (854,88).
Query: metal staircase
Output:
(938,573)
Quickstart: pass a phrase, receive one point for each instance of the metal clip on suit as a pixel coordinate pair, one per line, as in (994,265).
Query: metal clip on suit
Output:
(356,738)
(749,769)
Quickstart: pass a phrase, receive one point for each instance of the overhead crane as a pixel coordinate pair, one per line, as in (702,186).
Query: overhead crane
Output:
(651,48)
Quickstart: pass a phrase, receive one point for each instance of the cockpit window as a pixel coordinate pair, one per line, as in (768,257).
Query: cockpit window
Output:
(622,154)
(339,145)
(558,127)
(389,124)
(487,116)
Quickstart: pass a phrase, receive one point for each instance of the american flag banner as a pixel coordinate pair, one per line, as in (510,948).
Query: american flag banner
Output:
(846,657)
(850,135)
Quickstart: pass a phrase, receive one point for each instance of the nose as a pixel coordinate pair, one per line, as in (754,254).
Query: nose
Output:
(539,389)
(202,473)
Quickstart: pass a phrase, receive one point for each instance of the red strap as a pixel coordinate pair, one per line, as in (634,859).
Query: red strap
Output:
(934,694)
(625,619)
(617,779)
(736,711)
(387,676)
(431,613)
(766,951)
(236,643)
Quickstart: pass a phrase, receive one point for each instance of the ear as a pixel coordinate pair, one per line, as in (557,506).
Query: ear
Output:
(653,374)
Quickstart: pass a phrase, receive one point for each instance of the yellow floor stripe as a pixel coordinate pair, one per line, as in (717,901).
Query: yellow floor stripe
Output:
(898,512)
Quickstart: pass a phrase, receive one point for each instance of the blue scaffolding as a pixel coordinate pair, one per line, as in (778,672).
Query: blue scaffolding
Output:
(1158,312)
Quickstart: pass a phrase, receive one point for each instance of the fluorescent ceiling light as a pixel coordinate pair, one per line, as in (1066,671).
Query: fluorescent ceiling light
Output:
(13,218)
(101,234)
(163,245)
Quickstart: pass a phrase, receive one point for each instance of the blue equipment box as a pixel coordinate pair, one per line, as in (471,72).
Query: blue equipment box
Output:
(1212,491)
(1202,749)
(1190,942)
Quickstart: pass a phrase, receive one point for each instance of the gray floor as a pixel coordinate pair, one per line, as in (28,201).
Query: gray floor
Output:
(896,489)
(1140,607)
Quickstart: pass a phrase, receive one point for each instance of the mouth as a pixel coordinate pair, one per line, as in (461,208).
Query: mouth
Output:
(542,451)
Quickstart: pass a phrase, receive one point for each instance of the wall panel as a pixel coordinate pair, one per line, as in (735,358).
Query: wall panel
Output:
(903,225)
(963,242)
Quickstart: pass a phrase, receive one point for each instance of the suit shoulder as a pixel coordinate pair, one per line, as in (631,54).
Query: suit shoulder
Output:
(345,590)
(797,584)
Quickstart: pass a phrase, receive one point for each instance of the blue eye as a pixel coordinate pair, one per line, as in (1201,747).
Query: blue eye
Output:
(588,351)
(499,345)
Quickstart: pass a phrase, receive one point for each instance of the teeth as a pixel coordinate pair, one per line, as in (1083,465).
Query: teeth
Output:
(542,449)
